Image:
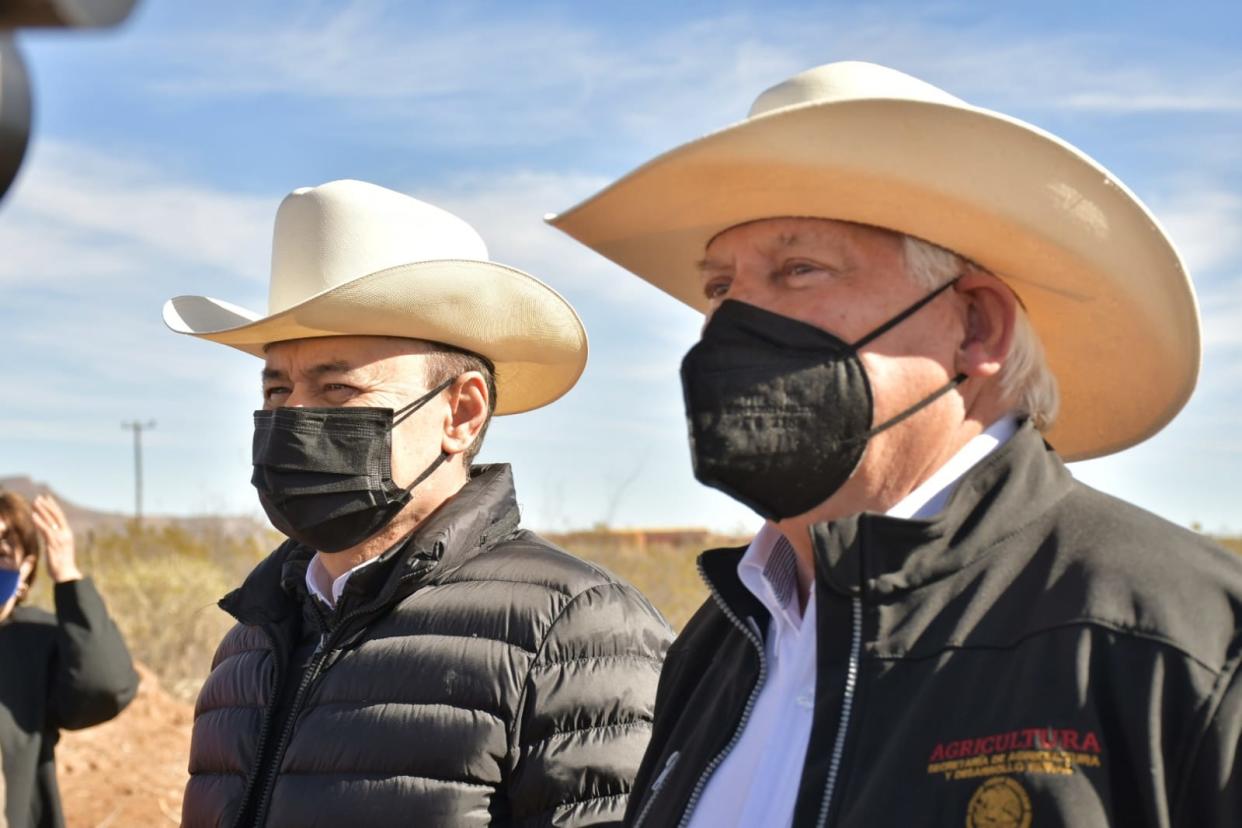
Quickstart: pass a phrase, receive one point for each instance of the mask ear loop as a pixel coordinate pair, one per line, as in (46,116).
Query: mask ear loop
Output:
(904,315)
(935,395)
(916,408)
(402,414)
(427,472)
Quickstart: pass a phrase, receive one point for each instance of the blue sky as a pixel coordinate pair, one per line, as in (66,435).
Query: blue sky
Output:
(162,149)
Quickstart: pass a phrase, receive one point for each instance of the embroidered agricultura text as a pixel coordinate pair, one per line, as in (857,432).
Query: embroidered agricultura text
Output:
(1038,750)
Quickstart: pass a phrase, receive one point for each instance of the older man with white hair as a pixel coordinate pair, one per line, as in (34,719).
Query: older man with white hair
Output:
(411,655)
(915,309)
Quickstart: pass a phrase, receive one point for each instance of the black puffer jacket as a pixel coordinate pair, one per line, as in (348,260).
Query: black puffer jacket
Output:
(68,670)
(1038,654)
(474,675)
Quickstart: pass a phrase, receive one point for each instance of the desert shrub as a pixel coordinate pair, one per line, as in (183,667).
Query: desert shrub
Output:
(162,582)
(664,570)
(161,585)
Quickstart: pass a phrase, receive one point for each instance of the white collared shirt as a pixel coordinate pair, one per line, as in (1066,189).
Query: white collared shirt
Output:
(321,583)
(757,783)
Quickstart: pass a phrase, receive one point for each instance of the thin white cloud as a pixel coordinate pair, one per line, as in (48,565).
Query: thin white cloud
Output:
(94,243)
(1222,322)
(507,210)
(42,429)
(97,242)
(357,50)
(84,213)
(39,249)
(117,235)
(1145,101)
(494,80)
(512,80)
(1205,221)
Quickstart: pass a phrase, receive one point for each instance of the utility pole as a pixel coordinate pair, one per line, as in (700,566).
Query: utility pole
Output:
(138,428)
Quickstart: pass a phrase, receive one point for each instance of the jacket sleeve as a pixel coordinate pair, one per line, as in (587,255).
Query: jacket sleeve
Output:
(1212,796)
(586,710)
(93,677)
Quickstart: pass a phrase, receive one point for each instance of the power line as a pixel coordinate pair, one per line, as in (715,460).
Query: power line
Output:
(138,428)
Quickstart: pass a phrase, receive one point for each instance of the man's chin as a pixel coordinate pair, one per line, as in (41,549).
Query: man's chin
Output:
(839,505)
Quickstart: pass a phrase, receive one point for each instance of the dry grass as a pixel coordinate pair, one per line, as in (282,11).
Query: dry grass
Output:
(664,571)
(161,585)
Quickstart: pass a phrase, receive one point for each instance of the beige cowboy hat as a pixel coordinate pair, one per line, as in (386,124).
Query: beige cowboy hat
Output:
(1101,281)
(351,258)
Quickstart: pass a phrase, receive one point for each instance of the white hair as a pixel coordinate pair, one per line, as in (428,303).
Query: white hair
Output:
(1025,378)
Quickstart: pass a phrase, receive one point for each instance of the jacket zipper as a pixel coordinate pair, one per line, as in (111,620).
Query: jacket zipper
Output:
(847,705)
(657,784)
(756,639)
(273,768)
(264,726)
(313,670)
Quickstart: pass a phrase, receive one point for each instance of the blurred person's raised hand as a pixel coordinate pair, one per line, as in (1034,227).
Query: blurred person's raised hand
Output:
(62,561)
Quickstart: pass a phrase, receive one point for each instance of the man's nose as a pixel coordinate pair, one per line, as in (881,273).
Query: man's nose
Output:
(741,289)
(747,284)
(299,398)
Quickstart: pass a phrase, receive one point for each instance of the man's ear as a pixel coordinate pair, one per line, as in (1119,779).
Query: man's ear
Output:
(990,309)
(468,412)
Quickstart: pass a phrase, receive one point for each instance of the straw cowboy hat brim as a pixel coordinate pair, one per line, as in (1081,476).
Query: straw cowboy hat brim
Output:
(351,258)
(1101,281)
(526,330)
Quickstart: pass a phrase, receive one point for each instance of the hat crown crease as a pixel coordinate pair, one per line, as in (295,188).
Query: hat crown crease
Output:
(328,236)
(847,81)
(351,258)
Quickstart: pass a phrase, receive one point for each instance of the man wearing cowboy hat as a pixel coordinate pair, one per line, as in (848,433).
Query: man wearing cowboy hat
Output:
(906,295)
(410,656)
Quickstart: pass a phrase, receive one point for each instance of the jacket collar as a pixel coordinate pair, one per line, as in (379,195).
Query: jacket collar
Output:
(877,555)
(470,522)
(718,568)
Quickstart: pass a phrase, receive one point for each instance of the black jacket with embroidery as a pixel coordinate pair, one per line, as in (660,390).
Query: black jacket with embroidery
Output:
(1038,654)
(473,675)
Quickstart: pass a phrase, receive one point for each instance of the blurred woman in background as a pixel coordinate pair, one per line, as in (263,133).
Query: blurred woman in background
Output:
(68,670)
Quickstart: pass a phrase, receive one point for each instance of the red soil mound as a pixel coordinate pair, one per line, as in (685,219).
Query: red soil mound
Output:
(130,771)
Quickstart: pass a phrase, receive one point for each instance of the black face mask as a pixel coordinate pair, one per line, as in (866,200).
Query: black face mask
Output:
(779,411)
(324,475)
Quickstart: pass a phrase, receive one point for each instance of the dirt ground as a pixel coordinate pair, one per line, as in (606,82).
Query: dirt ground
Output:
(130,772)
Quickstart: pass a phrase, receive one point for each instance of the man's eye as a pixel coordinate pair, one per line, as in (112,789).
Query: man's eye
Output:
(275,391)
(799,268)
(716,288)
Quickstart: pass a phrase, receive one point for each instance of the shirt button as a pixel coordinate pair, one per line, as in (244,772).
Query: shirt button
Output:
(806,701)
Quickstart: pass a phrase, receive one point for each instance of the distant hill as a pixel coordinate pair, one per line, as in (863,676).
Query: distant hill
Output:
(85,520)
